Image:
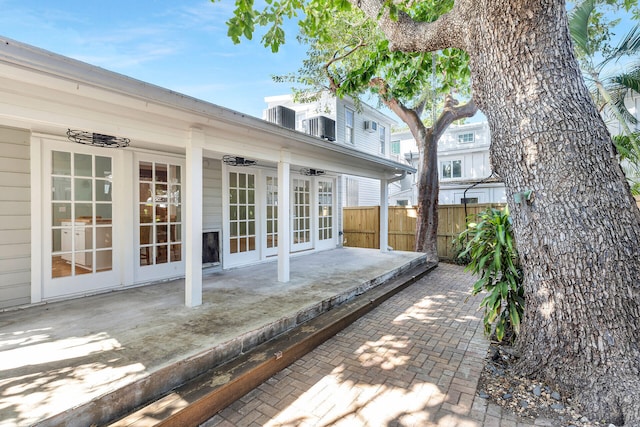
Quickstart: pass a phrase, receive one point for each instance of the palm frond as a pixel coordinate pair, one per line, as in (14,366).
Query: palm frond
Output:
(579,25)
(629,46)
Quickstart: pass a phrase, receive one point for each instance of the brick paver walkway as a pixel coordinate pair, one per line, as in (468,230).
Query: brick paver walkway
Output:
(413,361)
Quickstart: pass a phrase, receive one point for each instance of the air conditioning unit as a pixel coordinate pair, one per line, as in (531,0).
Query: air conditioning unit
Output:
(283,116)
(322,127)
(370,126)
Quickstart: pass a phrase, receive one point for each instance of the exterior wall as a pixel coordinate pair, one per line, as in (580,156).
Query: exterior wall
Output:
(475,165)
(15,216)
(363,140)
(212,195)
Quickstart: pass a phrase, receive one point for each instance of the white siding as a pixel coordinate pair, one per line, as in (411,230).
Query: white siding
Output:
(15,218)
(212,195)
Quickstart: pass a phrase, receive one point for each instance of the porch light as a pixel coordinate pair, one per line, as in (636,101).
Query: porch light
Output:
(237,161)
(311,172)
(97,139)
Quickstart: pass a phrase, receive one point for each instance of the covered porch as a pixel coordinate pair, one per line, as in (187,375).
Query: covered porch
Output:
(63,355)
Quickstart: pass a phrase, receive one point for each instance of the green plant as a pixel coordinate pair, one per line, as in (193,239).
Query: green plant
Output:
(490,247)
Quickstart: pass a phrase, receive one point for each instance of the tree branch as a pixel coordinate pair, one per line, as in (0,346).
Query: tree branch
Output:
(407,35)
(333,84)
(407,115)
(452,112)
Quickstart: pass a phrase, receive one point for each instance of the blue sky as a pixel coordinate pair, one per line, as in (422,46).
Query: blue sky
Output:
(181,45)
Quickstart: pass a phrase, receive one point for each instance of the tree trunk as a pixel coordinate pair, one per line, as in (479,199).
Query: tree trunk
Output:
(426,237)
(579,234)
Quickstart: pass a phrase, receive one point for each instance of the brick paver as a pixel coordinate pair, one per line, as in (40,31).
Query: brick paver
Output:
(413,361)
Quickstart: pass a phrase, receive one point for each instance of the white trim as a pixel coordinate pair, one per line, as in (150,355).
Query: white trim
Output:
(37,248)
(193,218)
(284,217)
(384,215)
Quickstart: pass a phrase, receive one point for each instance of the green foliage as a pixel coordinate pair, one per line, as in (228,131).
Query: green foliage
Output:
(490,248)
(630,158)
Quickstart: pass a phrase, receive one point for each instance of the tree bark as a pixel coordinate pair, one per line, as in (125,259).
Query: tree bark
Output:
(579,235)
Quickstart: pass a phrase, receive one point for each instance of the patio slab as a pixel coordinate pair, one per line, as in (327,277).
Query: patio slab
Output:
(60,356)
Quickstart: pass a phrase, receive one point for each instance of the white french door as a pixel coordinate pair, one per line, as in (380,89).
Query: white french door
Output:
(159,228)
(301,237)
(241,242)
(79,255)
(325,196)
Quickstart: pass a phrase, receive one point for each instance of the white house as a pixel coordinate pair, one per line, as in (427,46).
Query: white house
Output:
(340,122)
(463,164)
(107,182)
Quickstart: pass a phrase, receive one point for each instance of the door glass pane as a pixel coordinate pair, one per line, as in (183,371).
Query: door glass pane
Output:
(103,167)
(161,172)
(146,193)
(103,190)
(84,212)
(104,213)
(60,212)
(60,188)
(146,171)
(103,237)
(60,163)
(174,172)
(82,164)
(83,189)
(104,260)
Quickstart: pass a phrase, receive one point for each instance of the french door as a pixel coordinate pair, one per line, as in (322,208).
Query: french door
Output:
(242,244)
(159,211)
(325,197)
(301,237)
(271,216)
(78,222)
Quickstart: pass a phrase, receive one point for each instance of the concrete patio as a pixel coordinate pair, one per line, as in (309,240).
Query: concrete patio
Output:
(57,358)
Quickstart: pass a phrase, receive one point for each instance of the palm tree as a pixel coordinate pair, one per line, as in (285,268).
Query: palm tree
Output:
(610,89)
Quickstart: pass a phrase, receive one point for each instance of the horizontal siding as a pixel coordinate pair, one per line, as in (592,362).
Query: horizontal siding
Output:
(13,165)
(15,179)
(11,208)
(15,218)
(212,195)
(14,251)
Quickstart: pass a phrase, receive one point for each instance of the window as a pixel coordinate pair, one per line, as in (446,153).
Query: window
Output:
(451,169)
(381,131)
(465,137)
(348,125)
(395,147)
(242,217)
(469,200)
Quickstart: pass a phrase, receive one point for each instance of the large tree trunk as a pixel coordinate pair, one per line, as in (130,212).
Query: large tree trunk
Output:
(579,234)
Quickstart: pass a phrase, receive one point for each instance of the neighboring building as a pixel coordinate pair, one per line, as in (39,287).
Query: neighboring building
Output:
(339,121)
(463,167)
(107,182)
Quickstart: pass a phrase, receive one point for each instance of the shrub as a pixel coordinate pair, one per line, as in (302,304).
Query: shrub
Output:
(490,247)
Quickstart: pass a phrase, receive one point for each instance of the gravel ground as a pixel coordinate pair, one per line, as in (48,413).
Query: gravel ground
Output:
(526,398)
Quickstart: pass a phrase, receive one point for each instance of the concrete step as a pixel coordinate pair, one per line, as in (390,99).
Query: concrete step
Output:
(201,398)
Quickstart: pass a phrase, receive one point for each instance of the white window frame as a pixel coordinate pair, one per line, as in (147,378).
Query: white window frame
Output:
(393,149)
(349,125)
(382,134)
(450,163)
(466,137)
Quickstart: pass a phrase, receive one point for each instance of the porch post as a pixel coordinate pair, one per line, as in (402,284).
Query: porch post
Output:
(284,215)
(193,219)
(384,215)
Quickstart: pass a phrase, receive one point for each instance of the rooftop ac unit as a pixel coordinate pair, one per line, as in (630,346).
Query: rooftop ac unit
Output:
(370,126)
(322,127)
(283,116)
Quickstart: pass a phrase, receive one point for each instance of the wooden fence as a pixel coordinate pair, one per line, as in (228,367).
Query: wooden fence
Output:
(361,226)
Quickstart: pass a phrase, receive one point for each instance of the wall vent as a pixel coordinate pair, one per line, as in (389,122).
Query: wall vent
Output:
(210,248)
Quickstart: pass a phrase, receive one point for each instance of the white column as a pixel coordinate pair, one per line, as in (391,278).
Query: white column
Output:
(193,219)
(384,215)
(284,217)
